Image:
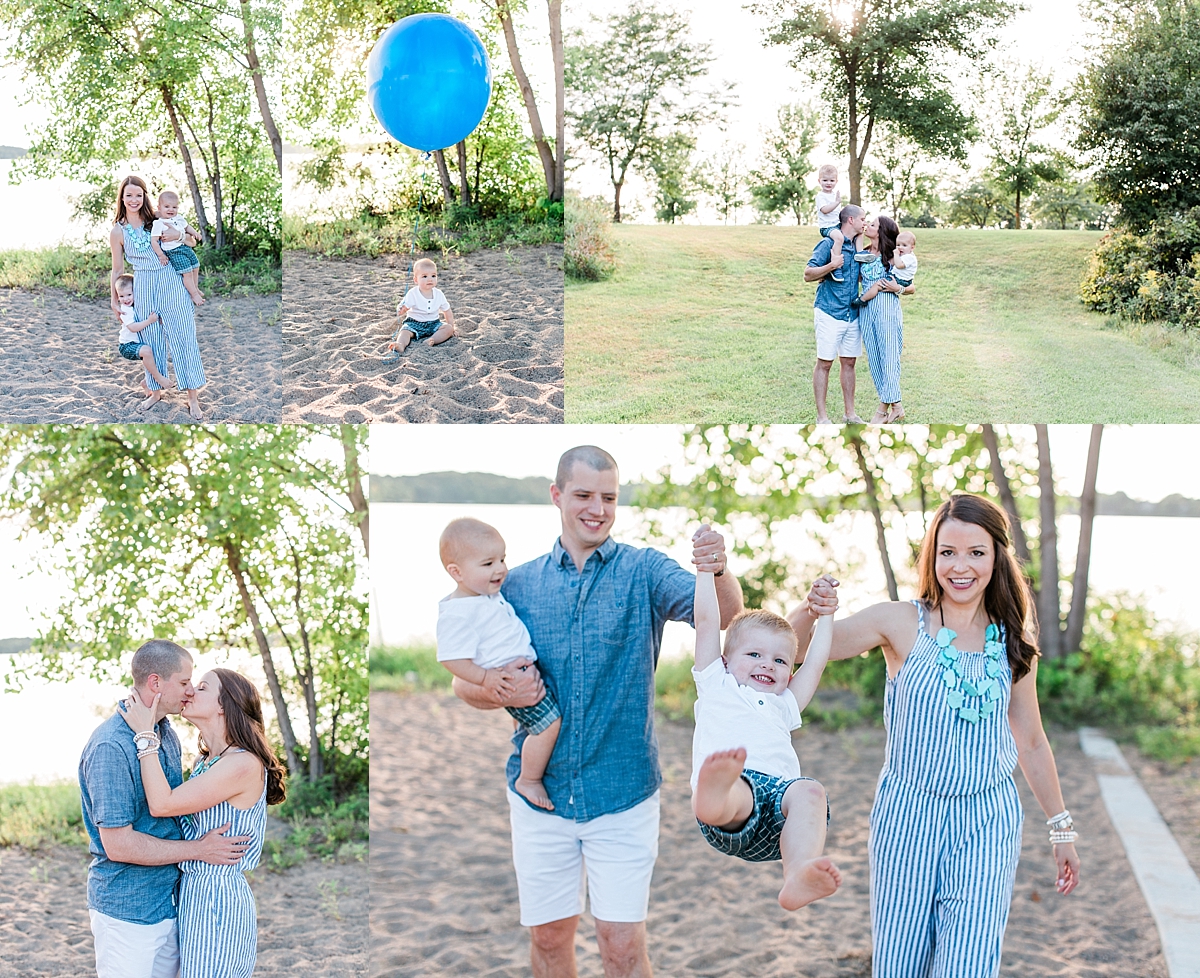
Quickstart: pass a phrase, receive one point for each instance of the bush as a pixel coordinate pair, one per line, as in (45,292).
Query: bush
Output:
(36,815)
(589,252)
(409,668)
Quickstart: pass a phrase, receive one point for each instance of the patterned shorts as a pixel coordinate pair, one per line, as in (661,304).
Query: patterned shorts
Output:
(424,331)
(183,258)
(758,840)
(131,351)
(534,719)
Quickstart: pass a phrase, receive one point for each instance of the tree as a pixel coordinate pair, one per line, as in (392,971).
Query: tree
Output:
(977,204)
(678,182)
(1068,203)
(1023,108)
(1139,101)
(635,87)
(1083,557)
(1049,607)
(728,181)
(783,182)
(880,64)
(898,182)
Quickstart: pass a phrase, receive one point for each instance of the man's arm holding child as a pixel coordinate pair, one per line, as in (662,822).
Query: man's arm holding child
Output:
(496,681)
(528,689)
(814,272)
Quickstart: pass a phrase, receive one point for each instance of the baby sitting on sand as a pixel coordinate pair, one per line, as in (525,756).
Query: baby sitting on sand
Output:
(419,314)
(479,634)
(747,791)
(129,343)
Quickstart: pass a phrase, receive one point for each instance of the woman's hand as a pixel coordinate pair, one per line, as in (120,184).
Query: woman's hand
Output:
(138,716)
(1067,861)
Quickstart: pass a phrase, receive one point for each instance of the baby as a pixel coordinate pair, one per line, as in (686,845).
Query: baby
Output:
(479,634)
(129,343)
(904,262)
(419,313)
(175,251)
(747,791)
(829,210)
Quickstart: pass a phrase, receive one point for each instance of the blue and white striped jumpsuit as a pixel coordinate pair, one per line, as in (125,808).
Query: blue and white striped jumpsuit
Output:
(159,288)
(945,827)
(882,323)
(218,921)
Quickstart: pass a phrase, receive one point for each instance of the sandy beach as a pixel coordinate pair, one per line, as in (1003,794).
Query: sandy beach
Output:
(445,903)
(505,364)
(311,918)
(59,361)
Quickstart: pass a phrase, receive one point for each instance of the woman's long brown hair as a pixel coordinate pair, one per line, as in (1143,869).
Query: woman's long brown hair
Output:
(1008,597)
(244,728)
(888,232)
(146,213)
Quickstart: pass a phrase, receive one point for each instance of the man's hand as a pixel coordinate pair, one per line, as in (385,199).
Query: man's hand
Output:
(708,550)
(220,850)
(822,597)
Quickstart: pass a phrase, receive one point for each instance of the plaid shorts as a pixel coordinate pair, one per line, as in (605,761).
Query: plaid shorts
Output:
(758,840)
(424,331)
(131,351)
(183,258)
(537,718)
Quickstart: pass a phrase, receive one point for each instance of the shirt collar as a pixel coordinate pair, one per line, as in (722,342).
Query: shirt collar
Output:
(604,552)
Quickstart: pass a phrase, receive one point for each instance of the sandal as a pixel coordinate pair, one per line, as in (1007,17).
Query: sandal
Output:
(894,416)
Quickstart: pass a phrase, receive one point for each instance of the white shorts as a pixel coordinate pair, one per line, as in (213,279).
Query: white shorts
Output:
(125,950)
(611,858)
(836,338)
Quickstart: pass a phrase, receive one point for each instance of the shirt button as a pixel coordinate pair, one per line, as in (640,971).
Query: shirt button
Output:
(761,703)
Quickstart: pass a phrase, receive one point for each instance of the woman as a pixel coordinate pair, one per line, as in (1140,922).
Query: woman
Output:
(156,288)
(960,709)
(880,317)
(235,778)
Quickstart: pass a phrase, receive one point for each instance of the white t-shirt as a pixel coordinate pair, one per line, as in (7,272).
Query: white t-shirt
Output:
(483,628)
(424,310)
(178,222)
(128,319)
(729,715)
(904,267)
(832,219)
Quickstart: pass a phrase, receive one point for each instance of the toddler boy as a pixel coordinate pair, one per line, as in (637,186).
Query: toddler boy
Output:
(129,343)
(479,634)
(420,313)
(176,252)
(829,210)
(904,262)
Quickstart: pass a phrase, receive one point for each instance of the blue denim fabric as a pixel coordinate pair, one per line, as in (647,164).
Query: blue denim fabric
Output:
(837,299)
(597,635)
(110,784)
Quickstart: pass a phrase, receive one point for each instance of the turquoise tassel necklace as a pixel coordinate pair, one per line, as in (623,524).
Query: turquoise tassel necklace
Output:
(973,701)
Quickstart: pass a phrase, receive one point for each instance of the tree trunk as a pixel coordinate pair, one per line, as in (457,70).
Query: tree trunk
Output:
(193,184)
(444,175)
(233,559)
(260,90)
(1018,211)
(1083,555)
(535,120)
(354,478)
(560,103)
(315,765)
(1050,638)
(852,128)
(213,169)
(877,515)
(617,201)
(1020,544)
(464,183)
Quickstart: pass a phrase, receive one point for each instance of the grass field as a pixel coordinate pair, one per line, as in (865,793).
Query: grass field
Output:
(714,324)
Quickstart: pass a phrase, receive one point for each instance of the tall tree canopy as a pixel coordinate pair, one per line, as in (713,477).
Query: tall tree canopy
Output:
(782,183)
(879,62)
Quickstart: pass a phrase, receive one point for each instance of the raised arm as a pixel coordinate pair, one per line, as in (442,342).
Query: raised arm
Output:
(708,554)
(707,615)
(805,680)
(890,625)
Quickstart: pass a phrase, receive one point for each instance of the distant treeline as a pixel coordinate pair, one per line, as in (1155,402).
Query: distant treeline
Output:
(10,646)
(484,487)
(11,152)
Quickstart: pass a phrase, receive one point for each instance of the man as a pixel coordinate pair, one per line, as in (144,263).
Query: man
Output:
(131,881)
(595,611)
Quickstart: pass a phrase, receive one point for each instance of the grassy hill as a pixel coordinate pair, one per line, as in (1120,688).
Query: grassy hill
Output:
(714,324)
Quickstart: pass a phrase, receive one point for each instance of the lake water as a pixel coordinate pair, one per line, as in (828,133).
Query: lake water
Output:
(1151,557)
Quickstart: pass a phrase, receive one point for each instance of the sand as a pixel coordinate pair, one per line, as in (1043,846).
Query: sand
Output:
(311,918)
(59,361)
(444,897)
(505,364)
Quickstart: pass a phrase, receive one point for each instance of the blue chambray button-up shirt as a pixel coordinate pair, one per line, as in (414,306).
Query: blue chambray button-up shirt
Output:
(833,298)
(110,785)
(597,634)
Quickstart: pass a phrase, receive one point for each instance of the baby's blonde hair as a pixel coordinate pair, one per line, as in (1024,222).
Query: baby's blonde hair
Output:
(124,282)
(827,169)
(748,621)
(461,535)
(907,234)
(424,263)
(168,194)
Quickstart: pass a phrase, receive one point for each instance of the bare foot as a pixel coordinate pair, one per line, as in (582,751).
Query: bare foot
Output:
(197,299)
(719,772)
(399,348)
(429,342)
(194,409)
(149,402)
(535,791)
(811,881)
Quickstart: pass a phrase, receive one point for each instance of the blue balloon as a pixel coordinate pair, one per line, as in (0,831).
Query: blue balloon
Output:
(429,81)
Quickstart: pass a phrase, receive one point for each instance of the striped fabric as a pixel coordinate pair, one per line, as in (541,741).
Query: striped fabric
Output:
(882,323)
(159,288)
(218,922)
(945,826)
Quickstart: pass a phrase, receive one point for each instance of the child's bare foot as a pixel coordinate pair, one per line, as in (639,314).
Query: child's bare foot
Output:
(197,299)
(811,881)
(535,791)
(149,402)
(431,342)
(398,347)
(719,772)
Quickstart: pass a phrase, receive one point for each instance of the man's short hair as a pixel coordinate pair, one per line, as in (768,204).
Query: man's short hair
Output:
(158,657)
(850,211)
(594,458)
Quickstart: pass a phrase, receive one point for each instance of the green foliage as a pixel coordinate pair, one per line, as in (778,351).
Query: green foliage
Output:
(408,668)
(1153,277)
(324,823)
(1139,100)
(906,191)
(728,181)
(979,204)
(1174,745)
(1069,203)
(33,816)
(674,688)
(590,252)
(783,182)
(678,182)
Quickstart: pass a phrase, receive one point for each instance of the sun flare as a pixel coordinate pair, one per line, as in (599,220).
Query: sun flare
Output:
(843,12)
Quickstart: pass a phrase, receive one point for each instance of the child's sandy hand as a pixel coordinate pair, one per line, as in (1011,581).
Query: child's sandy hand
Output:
(822,596)
(498,682)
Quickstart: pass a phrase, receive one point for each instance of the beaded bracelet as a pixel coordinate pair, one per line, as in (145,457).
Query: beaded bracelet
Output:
(148,752)
(1060,837)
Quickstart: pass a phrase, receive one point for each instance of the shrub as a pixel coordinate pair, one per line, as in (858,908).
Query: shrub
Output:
(409,668)
(589,252)
(36,815)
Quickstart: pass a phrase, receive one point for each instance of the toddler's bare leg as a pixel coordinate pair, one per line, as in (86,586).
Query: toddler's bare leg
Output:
(147,356)
(535,755)
(721,797)
(445,331)
(807,875)
(191,282)
(402,341)
(837,239)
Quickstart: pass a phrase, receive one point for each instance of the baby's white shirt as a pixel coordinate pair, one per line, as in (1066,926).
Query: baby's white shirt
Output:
(832,219)
(483,628)
(730,715)
(128,318)
(424,310)
(178,222)
(904,267)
